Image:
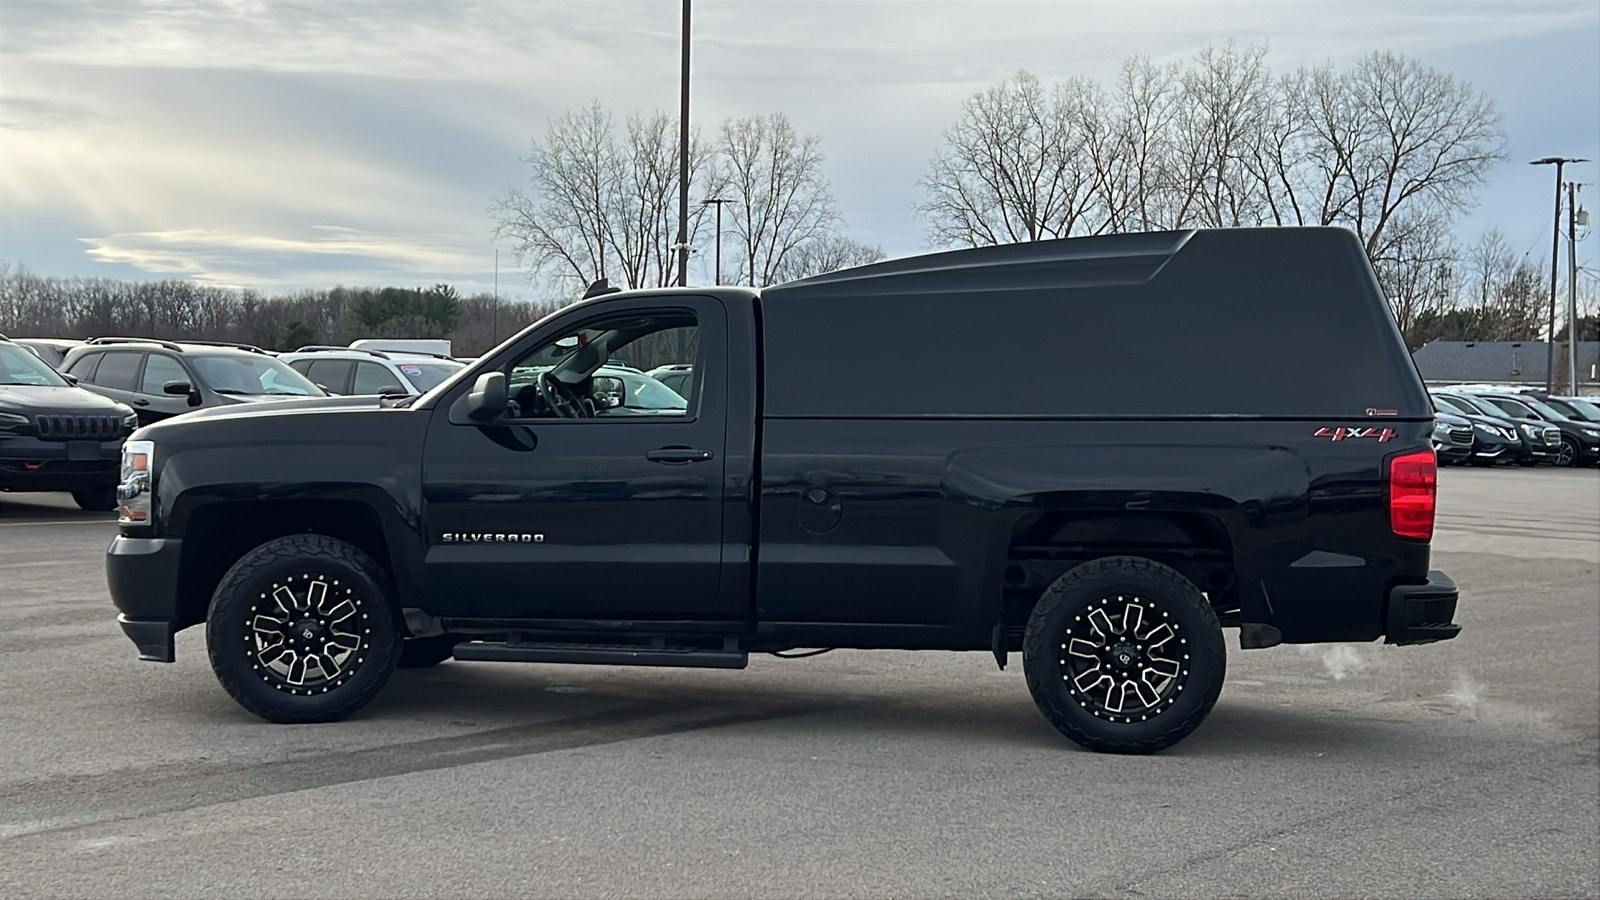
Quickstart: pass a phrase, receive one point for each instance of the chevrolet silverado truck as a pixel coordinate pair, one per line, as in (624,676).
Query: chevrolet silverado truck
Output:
(1099,452)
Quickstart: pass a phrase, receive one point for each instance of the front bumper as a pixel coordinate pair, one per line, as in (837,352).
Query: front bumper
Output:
(142,574)
(1423,613)
(30,464)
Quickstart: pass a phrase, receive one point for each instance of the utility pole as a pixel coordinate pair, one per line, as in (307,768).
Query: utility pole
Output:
(718,201)
(683,158)
(1555,262)
(1572,288)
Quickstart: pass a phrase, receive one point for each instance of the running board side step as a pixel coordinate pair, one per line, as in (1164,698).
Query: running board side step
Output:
(602,655)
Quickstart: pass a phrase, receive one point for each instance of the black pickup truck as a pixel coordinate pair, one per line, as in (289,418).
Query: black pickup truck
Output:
(1096,451)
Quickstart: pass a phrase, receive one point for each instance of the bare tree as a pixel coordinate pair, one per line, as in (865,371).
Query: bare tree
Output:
(781,198)
(828,253)
(1131,165)
(598,206)
(1224,107)
(1018,165)
(1393,138)
(1379,148)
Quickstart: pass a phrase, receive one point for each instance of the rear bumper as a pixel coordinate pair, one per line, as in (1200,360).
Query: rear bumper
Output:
(142,574)
(1423,613)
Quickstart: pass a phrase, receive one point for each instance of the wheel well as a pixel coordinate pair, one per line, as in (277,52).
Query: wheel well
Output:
(216,536)
(1045,545)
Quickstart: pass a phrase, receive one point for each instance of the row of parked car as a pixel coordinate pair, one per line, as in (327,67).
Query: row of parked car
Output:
(1488,424)
(67,405)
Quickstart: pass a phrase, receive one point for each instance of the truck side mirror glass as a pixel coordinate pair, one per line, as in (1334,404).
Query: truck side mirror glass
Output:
(488,399)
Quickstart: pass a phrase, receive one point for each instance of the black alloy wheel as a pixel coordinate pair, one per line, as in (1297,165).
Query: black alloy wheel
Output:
(1568,454)
(301,630)
(1124,655)
(96,499)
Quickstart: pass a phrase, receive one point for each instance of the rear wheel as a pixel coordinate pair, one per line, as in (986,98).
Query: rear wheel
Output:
(301,629)
(96,499)
(1124,655)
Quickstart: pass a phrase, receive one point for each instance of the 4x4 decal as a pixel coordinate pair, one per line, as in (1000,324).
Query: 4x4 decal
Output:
(1339,434)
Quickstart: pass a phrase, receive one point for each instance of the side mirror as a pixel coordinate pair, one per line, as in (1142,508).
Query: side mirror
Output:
(488,399)
(394,389)
(71,379)
(177,388)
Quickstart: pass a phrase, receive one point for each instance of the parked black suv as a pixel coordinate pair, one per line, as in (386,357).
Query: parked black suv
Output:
(54,436)
(161,379)
(1495,439)
(1580,441)
(1147,444)
(1541,441)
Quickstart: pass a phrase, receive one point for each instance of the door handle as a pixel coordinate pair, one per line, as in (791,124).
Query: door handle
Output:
(140,402)
(678,455)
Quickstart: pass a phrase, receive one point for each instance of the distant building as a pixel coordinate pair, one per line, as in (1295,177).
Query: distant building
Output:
(1504,362)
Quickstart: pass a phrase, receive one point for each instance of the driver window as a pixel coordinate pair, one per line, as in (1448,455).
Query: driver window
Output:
(607,370)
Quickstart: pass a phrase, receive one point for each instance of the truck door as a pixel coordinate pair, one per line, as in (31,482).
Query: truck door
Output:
(594,509)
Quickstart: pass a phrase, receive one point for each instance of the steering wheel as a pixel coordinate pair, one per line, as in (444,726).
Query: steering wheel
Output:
(561,399)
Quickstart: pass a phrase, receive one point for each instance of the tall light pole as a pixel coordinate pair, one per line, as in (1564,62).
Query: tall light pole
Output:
(718,201)
(1555,261)
(683,158)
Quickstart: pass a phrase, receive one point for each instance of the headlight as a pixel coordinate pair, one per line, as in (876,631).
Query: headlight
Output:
(1489,430)
(1592,432)
(1529,430)
(133,494)
(131,422)
(11,422)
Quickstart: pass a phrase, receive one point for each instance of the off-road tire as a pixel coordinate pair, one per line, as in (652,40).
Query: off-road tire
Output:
(96,499)
(426,652)
(296,564)
(1068,604)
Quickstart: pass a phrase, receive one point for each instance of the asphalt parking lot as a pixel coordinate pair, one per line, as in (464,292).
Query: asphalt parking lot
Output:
(1465,769)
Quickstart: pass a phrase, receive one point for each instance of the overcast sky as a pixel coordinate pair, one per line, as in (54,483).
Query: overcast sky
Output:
(302,144)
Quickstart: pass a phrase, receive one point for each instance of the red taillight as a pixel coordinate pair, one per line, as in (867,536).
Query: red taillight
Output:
(1413,486)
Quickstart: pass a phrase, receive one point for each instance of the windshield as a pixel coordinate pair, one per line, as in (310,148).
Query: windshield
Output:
(1581,409)
(429,375)
(645,392)
(19,366)
(253,375)
(1474,406)
(1544,409)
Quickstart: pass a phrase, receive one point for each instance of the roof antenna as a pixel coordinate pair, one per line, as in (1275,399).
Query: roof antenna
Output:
(599,288)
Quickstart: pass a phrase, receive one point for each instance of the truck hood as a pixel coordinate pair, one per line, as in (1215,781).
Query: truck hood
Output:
(259,408)
(35,398)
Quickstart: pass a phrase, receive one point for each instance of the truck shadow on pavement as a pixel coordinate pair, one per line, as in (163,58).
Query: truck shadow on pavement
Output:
(832,707)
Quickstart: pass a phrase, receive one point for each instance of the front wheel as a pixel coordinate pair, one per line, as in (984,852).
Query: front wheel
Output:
(1568,454)
(301,629)
(1124,655)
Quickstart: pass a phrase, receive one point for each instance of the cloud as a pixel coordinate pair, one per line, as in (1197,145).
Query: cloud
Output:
(45,114)
(324,255)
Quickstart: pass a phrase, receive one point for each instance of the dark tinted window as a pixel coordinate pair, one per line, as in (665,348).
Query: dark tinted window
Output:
(1513,408)
(158,370)
(372,378)
(333,374)
(1260,322)
(118,369)
(83,366)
